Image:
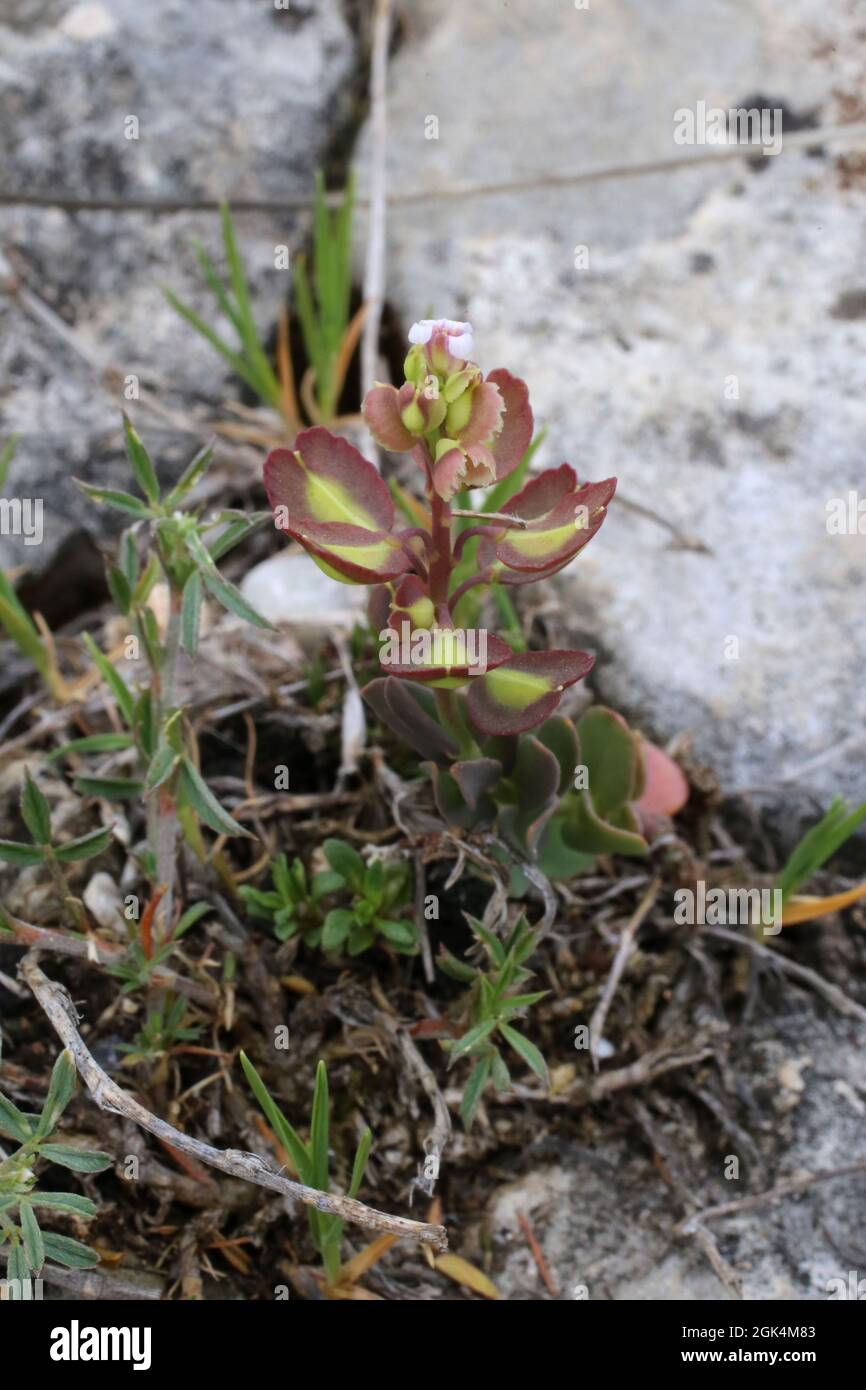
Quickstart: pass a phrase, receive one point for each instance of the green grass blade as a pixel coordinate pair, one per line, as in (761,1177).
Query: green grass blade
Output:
(319,1126)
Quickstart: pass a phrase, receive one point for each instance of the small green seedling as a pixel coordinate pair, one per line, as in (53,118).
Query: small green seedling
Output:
(20,1198)
(36,814)
(491,1009)
(163,1029)
(311,1160)
(293,904)
(378,890)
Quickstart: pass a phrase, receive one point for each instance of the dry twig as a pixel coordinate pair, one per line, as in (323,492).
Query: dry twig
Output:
(109,1096)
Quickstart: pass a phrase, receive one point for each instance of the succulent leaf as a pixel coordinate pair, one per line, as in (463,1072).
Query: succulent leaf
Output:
(525,690)
(331,500)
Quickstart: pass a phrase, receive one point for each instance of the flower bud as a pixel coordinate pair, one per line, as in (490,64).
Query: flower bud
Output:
(459,413)
(415,367)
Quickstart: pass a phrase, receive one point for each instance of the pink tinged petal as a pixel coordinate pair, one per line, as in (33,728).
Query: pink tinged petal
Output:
(422,331)
(485,419)
(516,434)
(462,344)
(381,410)
(523,692)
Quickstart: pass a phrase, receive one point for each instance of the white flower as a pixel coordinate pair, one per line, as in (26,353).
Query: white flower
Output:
(461,342)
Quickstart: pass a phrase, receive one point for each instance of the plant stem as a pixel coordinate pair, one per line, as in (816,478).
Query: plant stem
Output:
(440,558)
(450,717)
(162,810)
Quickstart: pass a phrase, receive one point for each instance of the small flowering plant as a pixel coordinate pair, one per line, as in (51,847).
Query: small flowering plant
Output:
(480,714)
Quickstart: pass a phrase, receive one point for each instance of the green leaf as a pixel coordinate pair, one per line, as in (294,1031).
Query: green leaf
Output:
(359,1167)
(344,860)
(164,762)
(191,613)
(234,359)
(325,883)
(515,1002)
(500,1073)
(140,461)
(65,1201)
(232,599)
(471,1039)
(66,1251)
(21,629)
(79,1160)
(85,847)
(474,1087)
(190,917)
(495,948)
(248,330)
(60,1091)
(456,969)
(361,939)
(298,1151)
(18,1275)
(190,476)
(13,1121)
(818,844)
(11,852)
(319,1124)
(200,797)
(338,924)
(112,788)
(119,588)
(93,743)
(238,529)
(401,933)
(33,1246)
(119,689)
(525,1049)
(120,501)
(34,809)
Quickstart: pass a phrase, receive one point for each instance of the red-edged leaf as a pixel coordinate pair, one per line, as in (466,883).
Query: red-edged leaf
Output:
(514,438)
(524,691)
(562,518)
(328,497)
(381,409)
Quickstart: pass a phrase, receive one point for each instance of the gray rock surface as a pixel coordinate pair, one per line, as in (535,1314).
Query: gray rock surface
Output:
(709,355)
(231,101)
(604,1218)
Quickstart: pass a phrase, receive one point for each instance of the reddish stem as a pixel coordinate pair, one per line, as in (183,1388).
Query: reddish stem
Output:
(440,557)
